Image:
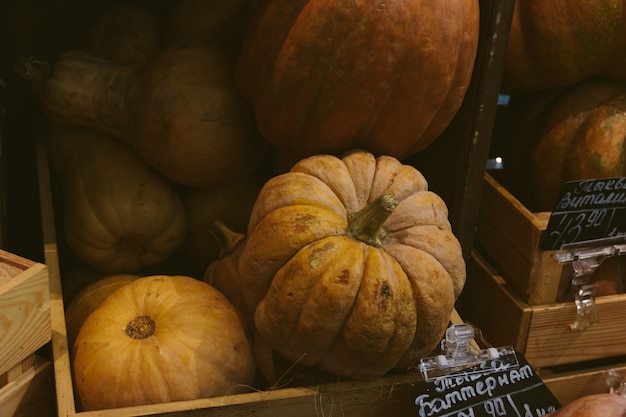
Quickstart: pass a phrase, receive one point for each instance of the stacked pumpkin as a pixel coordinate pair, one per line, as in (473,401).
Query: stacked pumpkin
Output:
(565,72)
(566,75)
(346,261)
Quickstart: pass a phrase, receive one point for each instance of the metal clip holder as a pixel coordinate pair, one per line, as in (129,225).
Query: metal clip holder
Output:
(459,356)
(585,257)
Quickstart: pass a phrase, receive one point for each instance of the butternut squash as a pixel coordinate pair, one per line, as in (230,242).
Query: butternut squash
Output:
(119,214)
(181,111)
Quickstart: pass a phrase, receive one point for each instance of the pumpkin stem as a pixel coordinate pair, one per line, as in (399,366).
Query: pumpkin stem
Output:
(227,239)
(141,327)
(366,224)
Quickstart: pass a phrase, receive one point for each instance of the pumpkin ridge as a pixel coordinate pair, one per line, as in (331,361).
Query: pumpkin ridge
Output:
(435,127)
(319,167)
(269,54)
(291,334)
(321,81)
(389,345)
(392,86)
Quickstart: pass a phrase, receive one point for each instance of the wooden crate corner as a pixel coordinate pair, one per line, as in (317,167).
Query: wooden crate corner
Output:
(25,307)
(543,332)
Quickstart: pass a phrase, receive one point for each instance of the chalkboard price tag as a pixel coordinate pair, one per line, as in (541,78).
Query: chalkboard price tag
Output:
(511,391)
(587,210)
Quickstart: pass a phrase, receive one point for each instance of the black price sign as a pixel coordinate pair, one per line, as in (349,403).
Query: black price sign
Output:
(587,210)
(515,391)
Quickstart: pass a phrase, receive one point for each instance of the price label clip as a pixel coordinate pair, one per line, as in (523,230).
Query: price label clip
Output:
(585,257)
(460,356)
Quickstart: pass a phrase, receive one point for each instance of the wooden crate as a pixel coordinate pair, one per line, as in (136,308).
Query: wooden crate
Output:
(541,332)
(24,308)
(51,25)
(571,383)
(509,235)
(393,394)
(27,389)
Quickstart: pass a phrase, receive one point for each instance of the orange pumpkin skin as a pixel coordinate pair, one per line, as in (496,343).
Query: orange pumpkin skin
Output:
(582,136)
(161,339)
(326,77)
(319,295)
(89,298)
(593,405)
(562,42)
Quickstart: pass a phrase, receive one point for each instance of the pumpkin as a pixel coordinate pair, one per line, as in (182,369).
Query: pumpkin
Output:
(125,32)
(230,204)
(161,339)
(593,405)
(562,42)
(326,77)
(349,265)
(180,111)
(609,276)
(607,279)
(89,298)
(214,20)
(119,213)
(579,135)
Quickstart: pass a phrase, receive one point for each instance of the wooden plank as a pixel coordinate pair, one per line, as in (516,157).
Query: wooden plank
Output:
(510,235)
(570,385)
(545,279)
(386,396)
(60,350)
(24,311)
(17,370)
(487,303)
(551,341)
(507,215)
(31,394)
(542,333)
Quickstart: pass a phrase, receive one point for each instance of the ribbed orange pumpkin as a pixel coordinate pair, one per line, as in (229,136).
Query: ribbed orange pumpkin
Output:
(329,76)
(562,42)
(349,265)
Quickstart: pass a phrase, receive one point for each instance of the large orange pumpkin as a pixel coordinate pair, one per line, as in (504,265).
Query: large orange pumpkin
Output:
(561,42)
(349,265)
(161,339)
(329,76)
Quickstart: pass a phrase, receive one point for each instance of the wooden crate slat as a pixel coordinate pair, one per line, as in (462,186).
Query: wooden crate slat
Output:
(541,332)
(24,315)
